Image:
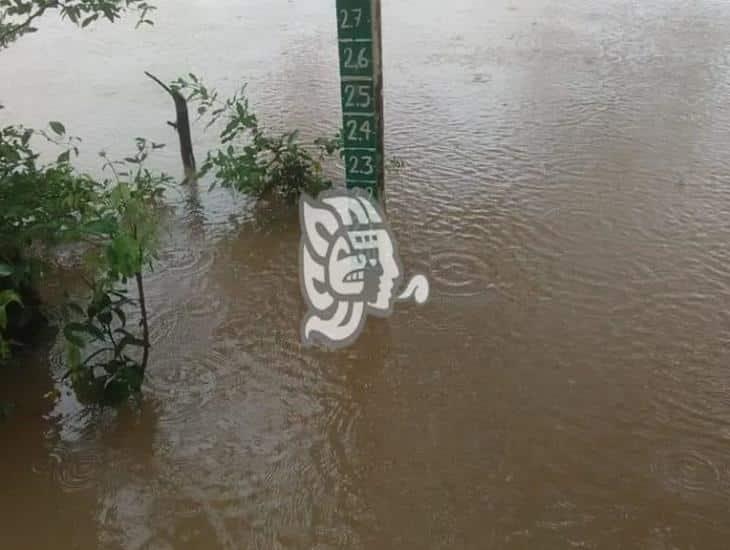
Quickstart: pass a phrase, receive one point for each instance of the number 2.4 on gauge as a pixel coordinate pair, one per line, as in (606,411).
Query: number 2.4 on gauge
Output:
(359,131)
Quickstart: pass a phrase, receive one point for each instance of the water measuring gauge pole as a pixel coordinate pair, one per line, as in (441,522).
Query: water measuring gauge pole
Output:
(361,87)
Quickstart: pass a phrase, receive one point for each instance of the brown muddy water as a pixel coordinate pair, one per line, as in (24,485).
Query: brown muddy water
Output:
(567,191)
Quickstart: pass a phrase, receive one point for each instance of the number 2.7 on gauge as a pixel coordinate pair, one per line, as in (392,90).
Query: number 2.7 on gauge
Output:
(358,29)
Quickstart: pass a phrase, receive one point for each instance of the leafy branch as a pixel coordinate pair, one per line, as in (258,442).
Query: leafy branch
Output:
(124,233)
(250,159)
(17,17)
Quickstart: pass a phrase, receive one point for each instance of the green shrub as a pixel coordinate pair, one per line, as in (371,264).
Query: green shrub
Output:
(115,218)
(122,237)
(250,160)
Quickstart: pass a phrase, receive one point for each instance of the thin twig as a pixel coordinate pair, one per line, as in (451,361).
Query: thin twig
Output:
(164,86)
(145,326)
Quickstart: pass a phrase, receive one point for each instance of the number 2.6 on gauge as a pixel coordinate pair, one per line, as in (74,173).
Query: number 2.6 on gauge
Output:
(356,58)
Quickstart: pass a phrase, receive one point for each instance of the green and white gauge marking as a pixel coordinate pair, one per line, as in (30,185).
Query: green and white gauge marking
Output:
(358,28)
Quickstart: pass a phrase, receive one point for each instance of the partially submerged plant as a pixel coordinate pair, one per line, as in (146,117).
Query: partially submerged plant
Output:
(123,242)
(250,160)
(42,206)
(115,218)
(109,373)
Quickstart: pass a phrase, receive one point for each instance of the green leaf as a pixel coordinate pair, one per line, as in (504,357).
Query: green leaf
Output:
(57,127)
(89,20)
(94,331)
(70,333)
(122,316)
(6,270)
(102,227)
(74,356)
(9,297)
(129,341)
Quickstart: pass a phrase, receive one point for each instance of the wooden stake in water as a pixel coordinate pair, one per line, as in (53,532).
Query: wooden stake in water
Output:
(361,75)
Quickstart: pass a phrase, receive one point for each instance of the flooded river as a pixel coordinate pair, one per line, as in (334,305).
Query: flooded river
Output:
(566,189)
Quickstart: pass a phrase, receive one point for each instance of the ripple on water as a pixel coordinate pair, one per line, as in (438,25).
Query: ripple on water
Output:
(74,458)
(184,386)
(183,259)
(689,471)
(586,173)
(75,467)
(458,273)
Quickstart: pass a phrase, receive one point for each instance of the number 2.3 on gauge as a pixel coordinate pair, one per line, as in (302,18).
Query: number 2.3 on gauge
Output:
(361,165)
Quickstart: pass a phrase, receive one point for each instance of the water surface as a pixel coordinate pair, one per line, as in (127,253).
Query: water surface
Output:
(566,190)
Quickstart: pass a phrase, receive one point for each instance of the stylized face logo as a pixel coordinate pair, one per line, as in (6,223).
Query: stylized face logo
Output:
(362,266)
(349,267)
